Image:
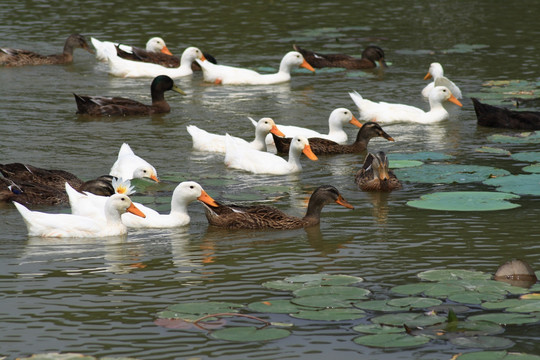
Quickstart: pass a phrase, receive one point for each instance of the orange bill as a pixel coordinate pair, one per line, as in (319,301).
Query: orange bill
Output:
(428,76)
(165,50)
(274,130)
(309,153)
(355,122)
(306,65)
(341,201)
(205,198)
(202,57)
(154,177)
(453,99)
(135,211)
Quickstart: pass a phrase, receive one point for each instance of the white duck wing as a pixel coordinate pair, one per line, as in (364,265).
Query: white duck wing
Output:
(444,81)
(254,161)
(206,141)
(87,204)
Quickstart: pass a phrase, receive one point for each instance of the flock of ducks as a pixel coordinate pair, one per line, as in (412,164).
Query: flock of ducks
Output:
(102,207)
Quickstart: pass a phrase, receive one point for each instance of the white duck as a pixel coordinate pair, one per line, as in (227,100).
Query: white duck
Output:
(229,75)
(155,44)
(134,69)
(437,73)
(130,166)
(69,225)
(93,206)
(260,162)
(205,141)
(387,112)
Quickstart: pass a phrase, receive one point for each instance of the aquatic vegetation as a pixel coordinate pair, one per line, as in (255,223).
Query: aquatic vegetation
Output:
(465,201)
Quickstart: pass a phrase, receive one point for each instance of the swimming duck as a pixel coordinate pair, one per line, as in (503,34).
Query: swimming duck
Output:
(375,175)
(205,141)
(261,162)
(326,147)
(119,106)
(268,217)
(437,73)
(129,166)
(493,116)
(387,112)
(69,225)
(133,69)
(155,45)
(16,57)
(31,185)
(229,75)
(372,56)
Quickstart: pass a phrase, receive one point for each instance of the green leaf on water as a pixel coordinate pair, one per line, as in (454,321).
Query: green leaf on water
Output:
(448,173)
(330,314)
(324,301)
(387,341)
(204,307)
(465,201)
(412,320)
(377,305)
(531,156)
(453,274)
(282,285)
(348,292)
(378,329)
(518,184)
(250,334)
(535,168)
(438,290)
(275,306)
(497,355)
(491,150)
(474,297)
(396,164)
(523,138)
(482,342)
(420,156)
(505,318)
(414,302)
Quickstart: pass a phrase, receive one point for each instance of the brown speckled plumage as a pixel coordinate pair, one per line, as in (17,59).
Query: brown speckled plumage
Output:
(493,116)
(321,146)
(267,217)
(16,57)
(370,57)
(375,175)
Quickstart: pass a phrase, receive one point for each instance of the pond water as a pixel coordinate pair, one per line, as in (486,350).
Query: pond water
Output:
(101,297)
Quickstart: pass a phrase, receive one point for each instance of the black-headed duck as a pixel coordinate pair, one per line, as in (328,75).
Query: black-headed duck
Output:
(372,56)
(493,116)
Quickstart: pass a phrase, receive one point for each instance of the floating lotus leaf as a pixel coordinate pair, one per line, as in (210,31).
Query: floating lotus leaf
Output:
(391,340)
(523,138)
(517,184)
(438,290)
(324,301)
(483,342)
(420,156)
(532,296)
(204,307)
(324,279)
(448,173)
(527,306)
(275,306)
(283,285)
(505,318)
(412,320)
(460,329)
(453,274)
(465,201)
(491,305)
(378,329)
(535,168)
(457,309)
(496,355)
(167,314)
(330,314)
(250,333)
(348,292)
(414,302)
(533,156)
(489,286)
(474,297)
(394,164)
(377,305)
(491,150)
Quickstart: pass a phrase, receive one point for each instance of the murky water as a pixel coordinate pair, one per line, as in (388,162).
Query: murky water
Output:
(100,297)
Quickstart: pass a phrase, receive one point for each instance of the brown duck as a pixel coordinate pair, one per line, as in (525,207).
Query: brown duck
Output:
(31,185)
(321,146)
(119,106)
(372,57)
(268,217)
(17,57)
(493,116)
(375,175)
(160,58)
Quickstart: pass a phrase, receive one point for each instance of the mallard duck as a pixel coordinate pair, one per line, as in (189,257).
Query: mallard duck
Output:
(205,141)
(268,217)
(229,75)
(387,112)
(325,147)
(69,225)
(155,45)
(493,116)
(261,162)
(119,106)
(17,57)
(130,166)
(375,175)
(31,185)
(134,69)
(437,73)
(372,56)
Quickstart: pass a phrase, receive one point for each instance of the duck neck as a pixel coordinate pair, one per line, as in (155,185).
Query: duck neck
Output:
(294,159)
(313,213)
(179,207)
(260,140)
(113,217)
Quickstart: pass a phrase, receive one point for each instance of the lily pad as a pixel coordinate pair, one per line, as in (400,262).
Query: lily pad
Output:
(482,342)
(448,173)
(453,274)
(496,355)
(391,340)
(474,297)
(420,156)
(330,314)
(275,306)
(532,156)
(412,320)
(282,285)
(505,318)
(517,184)
(535,168)
(465,201)
(250,333)
(491,150)
(325,301)
(438,290)
(522,138)
(395,164)
(377,305)
(414,302)
(309,280)
(378,329)
(526,307)
(204,307)
(348,292)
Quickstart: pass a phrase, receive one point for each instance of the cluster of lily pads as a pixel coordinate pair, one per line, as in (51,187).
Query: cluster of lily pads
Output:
(501,92)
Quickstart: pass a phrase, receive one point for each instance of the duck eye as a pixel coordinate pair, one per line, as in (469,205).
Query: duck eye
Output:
(192,187)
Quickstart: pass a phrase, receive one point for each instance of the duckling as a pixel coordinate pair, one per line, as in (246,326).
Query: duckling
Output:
(372,56)
(268,217)
(321,146)
(16,57)
(375,175)
(493,116)
(119,106)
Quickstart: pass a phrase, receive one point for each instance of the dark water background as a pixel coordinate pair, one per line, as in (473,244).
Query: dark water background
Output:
(101,297)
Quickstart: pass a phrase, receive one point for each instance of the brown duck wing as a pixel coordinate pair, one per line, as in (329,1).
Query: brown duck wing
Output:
(110,106)
(17,57)
(318,60)
(142,55)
